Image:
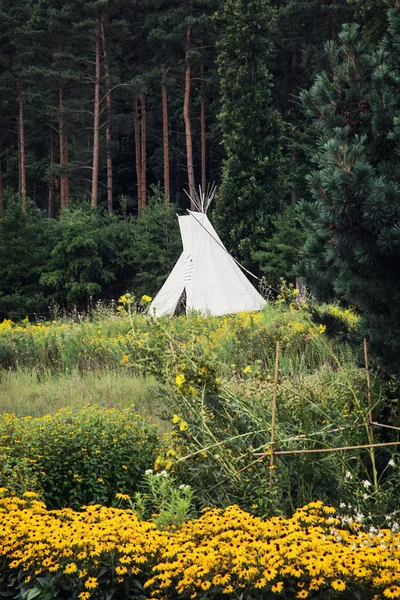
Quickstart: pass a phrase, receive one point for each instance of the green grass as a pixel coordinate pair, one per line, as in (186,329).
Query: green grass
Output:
(27,392)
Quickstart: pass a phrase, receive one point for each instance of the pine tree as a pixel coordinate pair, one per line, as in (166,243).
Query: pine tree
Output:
(250,193)
(353,221)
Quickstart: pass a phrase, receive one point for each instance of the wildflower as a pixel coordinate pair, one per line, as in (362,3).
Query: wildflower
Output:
(338,585)
(392,592)
(164,474)
(366,483)
(322,329)
(30,495)
(247,369)
(70,568)
(91,583)
(146,298)
(120,496)
(125,359)
(277,587)
(391,463)
(183,426)
(180,379)
(122,299)
(175,419)
(84,596)
(348,475)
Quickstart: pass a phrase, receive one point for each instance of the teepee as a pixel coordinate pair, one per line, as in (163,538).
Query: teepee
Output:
(205,276)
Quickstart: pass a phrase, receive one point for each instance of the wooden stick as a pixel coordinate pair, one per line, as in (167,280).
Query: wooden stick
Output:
(368,386)
(370,429)
(173,356)
(382,425)
(336,449)
(271,458)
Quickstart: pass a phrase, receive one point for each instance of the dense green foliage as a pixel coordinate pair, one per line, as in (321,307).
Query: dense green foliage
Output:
(353,222)
(252,186)
(81,257)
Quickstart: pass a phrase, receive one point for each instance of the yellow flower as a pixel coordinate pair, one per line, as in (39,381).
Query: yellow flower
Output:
(392,592)
(30,495)
(277,587)
(125,359)
(322,329)
(84,596)
(123,299)
(175,419)
(247,369)
(183,426)
(302,594)
(120,496)
(70,568)
(338,585)
(228,589)
(180,379)
(121,570)
(146,298)
(91,583)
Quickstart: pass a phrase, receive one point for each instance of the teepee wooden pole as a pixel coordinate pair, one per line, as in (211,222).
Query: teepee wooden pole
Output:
(338,449)
(273,417)
(368,386)
(370,429)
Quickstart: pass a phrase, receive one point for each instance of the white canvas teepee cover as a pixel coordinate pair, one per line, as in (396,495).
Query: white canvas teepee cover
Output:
(213,282)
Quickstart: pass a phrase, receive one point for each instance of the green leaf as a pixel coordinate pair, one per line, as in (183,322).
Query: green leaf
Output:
(33,593)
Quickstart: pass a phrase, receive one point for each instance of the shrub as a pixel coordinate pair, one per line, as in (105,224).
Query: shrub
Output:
(79,457)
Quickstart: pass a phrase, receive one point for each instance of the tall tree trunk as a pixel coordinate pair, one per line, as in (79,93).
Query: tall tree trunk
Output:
(19,161)
(1,192)
(22,145)
(96,124)
(186,115)
(137,151)
(203,124)
(144,159)
(165,135)
(294,95)
(62,147)
(66,182)
(50,208)
(108,126)
(294,191)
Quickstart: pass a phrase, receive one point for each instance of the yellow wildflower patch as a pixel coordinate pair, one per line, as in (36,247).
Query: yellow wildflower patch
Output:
(219,552)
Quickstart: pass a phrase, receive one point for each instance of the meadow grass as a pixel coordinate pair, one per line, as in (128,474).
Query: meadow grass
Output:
(28,392)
